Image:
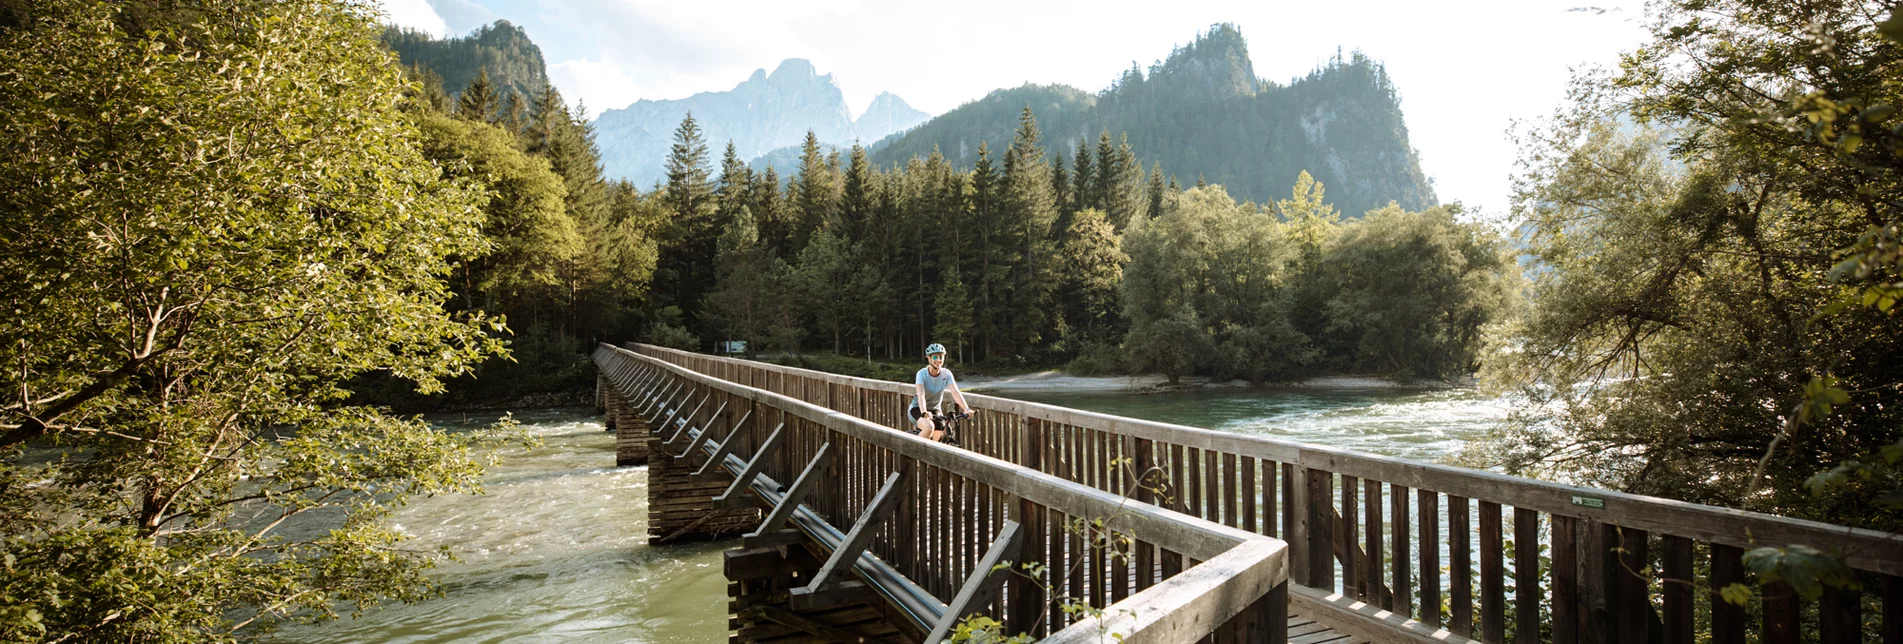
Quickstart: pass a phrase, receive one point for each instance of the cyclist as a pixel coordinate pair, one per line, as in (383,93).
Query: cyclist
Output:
(931,383)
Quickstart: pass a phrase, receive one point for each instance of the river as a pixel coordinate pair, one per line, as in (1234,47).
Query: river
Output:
(555,550)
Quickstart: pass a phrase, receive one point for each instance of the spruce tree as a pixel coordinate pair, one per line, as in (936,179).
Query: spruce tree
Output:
(1083,179)
(478,100)
(1030,214)
(735,187)
(1158,191)
(770,212)
(811,195)
(856,200)
(689,239)
(990,254)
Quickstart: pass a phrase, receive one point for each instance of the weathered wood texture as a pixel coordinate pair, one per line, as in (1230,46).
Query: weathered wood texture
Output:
(920,538)
(1620,564)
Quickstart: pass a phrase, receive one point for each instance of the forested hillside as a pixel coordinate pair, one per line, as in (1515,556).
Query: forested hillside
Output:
(513,62)
(1202,112)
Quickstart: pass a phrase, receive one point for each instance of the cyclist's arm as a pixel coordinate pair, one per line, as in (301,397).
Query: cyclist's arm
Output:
(958,396)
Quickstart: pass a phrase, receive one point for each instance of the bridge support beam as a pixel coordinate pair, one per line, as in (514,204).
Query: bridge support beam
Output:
(760,581)
(631,431)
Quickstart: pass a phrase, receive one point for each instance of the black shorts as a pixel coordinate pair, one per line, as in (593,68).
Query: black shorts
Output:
(914,413)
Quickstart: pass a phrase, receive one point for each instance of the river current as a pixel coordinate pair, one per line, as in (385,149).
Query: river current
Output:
(555,550)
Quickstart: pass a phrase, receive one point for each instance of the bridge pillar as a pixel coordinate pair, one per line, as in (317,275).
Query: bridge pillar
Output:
(681,508)
(631,431)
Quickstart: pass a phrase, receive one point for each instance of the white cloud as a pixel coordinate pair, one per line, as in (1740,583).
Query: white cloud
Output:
(415,14)
(598,85)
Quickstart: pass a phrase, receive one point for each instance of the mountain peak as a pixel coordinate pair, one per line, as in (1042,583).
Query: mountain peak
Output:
(794,69)
(888,114)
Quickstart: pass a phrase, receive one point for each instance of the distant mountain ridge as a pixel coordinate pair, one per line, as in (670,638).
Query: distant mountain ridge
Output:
(1202,112)
(764,113)
(514,62)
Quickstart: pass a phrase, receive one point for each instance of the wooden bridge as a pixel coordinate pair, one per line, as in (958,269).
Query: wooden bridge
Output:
(1117,529)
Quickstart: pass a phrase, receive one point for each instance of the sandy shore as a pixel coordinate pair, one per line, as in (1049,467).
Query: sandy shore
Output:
(1060,381)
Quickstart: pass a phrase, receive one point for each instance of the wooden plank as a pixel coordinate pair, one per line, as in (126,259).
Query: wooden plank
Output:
(1526,576)
(1229,516)
(1251,496)
(1565,576)
(1320,524)
(1598,622)
(840,563)
(1349,616)
(1179,497)
(981,585)
(1840,616)
(1430,557)
(1353,583)
(735,496)
(1634,602)
(1493,623)
(707,432)
(1677,583)
(794,620)
(1194,480)
(1781,614)
(1460,567)
(1197,601)
(1402,591)
(1372,574)
(1891,589)
(711,469)
(1211,486)
(795,495)
(1026,598)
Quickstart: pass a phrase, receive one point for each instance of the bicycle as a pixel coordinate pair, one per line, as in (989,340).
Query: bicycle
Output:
(949,425)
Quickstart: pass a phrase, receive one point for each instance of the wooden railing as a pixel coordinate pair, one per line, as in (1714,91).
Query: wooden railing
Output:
(921,522)
(1422,551)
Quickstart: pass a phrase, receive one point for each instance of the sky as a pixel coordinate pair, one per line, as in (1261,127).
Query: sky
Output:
(1466,71)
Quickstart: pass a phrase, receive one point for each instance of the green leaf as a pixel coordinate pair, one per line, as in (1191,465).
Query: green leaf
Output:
(1737,594)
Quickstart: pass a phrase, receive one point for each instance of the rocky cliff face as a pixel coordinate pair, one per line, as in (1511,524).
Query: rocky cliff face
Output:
(513,61)
(1202,112)
(764,113)
(887,115)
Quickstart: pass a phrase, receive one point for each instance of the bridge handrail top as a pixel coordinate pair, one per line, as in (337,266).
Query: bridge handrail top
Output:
(1864,549)
(1191,536)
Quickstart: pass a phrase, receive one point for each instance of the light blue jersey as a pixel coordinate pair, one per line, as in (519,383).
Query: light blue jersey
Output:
(935,386)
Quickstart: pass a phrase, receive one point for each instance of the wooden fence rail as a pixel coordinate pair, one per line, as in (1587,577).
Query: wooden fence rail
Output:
(921,521)
(1398,544)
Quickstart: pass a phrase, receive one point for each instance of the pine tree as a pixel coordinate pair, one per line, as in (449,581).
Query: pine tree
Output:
(811,195)
(856,201)
(478,100)
(990,251)
(953,306)
(1158,192)
(1030,214)
(689,239)
(735,186)
(1084,179)
(770,211)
